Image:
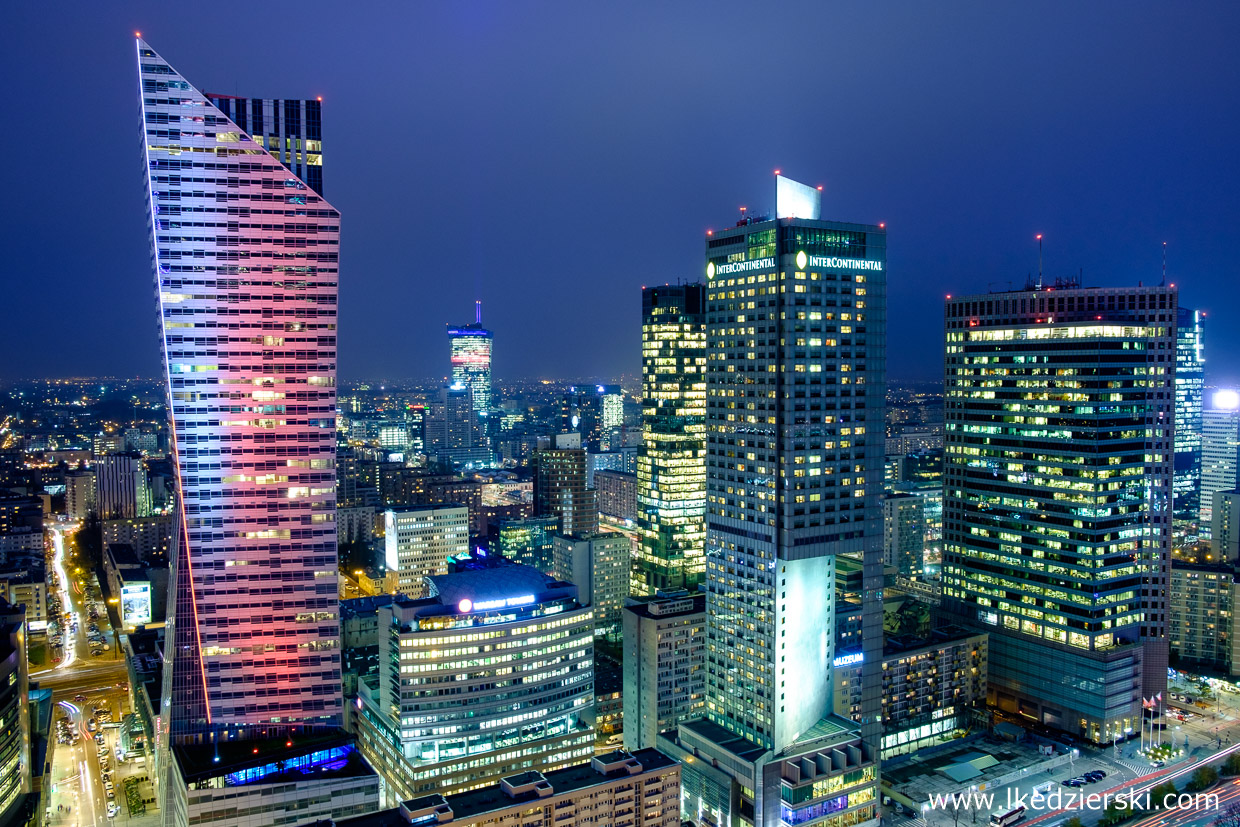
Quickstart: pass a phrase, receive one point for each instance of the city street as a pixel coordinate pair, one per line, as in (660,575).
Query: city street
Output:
(83,683)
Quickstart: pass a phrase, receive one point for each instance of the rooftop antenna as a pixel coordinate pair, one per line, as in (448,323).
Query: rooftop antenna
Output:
(1039,261)
(478,311)
(1164,281)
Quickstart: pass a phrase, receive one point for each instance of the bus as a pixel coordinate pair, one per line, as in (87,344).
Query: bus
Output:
(1007,819)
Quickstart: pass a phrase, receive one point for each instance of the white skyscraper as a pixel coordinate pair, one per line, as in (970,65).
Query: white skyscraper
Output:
(795,383)
(1220,451)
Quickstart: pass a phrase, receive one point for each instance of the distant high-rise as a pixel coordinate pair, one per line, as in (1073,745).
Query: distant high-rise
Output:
(120,486)
(471,359)
(560,490)
(594,411)
(454,435)
(1057,496)
(904,533)
(1189,392)
(795,387)
(245,255)
(671,463)
(1220,451)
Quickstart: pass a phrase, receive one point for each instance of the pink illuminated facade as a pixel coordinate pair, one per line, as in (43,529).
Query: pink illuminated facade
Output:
(245,255)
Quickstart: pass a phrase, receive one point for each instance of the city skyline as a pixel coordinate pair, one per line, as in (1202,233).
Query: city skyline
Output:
(1105,206)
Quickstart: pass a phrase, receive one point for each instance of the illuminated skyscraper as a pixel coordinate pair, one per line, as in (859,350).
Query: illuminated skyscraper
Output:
(1220,452)
(245,255)
(795,385)
(671,464)
(471,359)
(1057,496)
(595,412)
(1189,390)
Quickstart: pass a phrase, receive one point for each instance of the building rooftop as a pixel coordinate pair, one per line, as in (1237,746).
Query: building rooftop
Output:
(516,789)
(370,604)
(122,554)
(668,606)
(271,760)
(484,581)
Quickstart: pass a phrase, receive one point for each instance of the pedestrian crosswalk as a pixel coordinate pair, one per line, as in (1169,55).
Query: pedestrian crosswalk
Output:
(1137,766)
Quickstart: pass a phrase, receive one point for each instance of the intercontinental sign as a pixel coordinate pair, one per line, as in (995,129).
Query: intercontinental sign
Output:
(803,262)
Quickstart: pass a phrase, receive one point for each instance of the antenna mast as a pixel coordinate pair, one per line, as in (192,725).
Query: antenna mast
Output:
(1039,236)
(478,311)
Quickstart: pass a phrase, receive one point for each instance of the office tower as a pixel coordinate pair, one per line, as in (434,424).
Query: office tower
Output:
(529,541)
(245,255)
(530,700)
(617,495)
(454,435)
(291,132)
(671,463)
(616,789)
(1225,526)
(15,729)
(79,494)
(1059,451)
(795,381)
(598,565)
(470,346)
(904,533)
(419,539)
(1220,451)
(664,665)
(593,411)
(120,486)
(1203,620)
(560,490)
(1189,394)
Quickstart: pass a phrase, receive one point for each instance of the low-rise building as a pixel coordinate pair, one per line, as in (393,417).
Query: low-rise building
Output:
(931,686)
(618,789)
(1202,616)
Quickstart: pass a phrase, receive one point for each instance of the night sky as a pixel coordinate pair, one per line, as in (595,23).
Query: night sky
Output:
(553,158)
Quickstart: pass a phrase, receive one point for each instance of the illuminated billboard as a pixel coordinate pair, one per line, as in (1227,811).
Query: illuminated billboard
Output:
(135,604)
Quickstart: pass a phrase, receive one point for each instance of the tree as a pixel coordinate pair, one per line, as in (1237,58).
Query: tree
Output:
(1115,814)
(1232,765)
(1160,792)
(1075,821)
(1204,777)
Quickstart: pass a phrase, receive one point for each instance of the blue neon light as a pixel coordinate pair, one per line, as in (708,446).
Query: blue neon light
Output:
(326,759)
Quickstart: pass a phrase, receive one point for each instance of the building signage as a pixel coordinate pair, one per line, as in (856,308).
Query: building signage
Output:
(844,263)
(487,605)
(135,604)
(713,269)
(847,660)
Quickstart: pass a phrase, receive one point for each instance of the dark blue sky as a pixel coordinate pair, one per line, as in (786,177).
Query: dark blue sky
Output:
(552,158)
